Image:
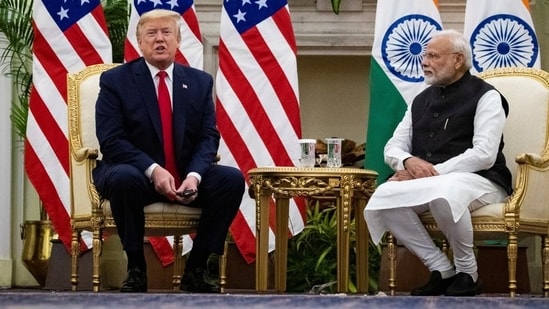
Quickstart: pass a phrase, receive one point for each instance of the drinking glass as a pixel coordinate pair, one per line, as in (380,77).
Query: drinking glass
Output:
(307,158)
(334,151)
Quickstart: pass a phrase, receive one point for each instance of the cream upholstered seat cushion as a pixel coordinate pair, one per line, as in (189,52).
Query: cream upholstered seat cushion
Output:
(168,210)
(492,210)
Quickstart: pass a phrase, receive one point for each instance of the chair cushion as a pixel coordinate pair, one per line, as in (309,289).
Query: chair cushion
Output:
(495,210)
(165,209)
(492,210)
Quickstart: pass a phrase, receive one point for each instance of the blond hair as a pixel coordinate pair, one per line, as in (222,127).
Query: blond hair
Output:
(159,14)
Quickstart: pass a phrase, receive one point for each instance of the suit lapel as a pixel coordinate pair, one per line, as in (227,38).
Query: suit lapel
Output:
(148,93)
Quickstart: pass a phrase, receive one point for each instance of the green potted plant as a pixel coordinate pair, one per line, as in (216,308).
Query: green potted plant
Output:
(312,254)
(16,56)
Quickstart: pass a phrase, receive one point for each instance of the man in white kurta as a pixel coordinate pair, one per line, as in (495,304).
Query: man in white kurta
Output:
(447,157)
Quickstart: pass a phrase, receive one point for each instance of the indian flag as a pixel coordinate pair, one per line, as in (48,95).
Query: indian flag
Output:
(402,31)
(501,33)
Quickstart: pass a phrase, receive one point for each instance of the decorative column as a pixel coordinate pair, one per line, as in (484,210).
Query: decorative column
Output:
(5,182)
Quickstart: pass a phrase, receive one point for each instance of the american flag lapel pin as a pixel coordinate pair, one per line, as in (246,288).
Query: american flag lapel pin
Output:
(184,86)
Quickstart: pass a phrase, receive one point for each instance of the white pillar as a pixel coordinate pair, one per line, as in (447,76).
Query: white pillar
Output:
(6,260)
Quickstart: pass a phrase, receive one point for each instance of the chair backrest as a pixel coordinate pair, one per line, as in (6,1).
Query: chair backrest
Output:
(82,91)
(83,88)
(527,92)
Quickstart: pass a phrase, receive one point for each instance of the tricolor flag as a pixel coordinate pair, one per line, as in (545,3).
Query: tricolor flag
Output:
(68,36)
(402,31)
(257,101)
(190,53)
(501,33)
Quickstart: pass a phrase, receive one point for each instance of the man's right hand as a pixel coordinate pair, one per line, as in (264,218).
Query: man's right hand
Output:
(164,182)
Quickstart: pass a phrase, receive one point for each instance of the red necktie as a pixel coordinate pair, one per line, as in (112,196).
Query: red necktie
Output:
(165,106)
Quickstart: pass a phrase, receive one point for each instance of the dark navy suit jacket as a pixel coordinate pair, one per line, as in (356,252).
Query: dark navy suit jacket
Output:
(128,123)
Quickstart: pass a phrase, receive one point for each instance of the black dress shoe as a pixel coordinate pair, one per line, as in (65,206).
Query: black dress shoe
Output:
(435,286)
(463,285)
(198,281)
(135,282)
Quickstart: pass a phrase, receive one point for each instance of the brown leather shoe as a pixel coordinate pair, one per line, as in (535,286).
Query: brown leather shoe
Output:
(198,280)
(464,285)
(435,286)
(135,282)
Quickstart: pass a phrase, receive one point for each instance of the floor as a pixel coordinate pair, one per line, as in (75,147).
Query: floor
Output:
(47,299)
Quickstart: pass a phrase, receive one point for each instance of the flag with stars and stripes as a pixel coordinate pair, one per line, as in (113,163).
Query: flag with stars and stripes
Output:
(68,36)
(257,101)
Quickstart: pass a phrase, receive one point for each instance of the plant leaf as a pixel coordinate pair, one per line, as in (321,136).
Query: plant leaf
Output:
(335,6)
(16,56)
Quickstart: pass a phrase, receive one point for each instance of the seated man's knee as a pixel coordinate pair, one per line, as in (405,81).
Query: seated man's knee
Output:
(126,177)
(233,178)
(440,207)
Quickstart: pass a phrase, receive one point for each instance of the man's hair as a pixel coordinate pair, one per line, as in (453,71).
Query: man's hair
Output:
(159,14)
(459,44)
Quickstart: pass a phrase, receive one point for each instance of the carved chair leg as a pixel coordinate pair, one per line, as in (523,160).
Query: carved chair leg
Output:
(97,251)
(75,256)
(545,265)
(391,253)
(177,264)
(512,252)
(223,268)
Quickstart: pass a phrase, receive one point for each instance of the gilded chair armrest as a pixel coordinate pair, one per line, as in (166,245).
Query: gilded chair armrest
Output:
(530,193)
(85,153)
(533,159)
(85,197)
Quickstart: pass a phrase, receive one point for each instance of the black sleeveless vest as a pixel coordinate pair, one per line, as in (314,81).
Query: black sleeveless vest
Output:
(443,127)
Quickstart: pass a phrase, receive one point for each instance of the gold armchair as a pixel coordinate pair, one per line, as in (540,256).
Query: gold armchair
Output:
(526,212)
(88,210)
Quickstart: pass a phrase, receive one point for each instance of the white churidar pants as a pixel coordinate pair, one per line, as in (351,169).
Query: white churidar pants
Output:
(395,206)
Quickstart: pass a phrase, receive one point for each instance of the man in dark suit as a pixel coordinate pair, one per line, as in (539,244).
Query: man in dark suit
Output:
(135,170)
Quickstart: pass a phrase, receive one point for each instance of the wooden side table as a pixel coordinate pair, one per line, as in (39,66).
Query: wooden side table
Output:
(352,187)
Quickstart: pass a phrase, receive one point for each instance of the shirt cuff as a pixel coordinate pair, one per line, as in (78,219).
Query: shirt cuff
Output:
(195,175)
(149,170)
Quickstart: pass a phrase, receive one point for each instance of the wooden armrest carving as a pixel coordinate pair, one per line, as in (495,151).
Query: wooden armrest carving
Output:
(85,153)
(531,171)
(531,159)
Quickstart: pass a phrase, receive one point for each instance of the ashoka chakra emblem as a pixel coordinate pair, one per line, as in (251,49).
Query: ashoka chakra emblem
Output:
(403,45)
(503,41)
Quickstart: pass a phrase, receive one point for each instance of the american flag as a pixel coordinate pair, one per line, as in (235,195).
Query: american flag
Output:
(257,101)
(190,53)
(68,36)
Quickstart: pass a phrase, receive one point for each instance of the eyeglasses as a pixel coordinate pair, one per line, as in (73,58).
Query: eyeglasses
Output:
(435,56)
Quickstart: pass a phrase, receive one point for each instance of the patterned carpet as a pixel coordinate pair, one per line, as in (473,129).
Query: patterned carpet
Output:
(42,299)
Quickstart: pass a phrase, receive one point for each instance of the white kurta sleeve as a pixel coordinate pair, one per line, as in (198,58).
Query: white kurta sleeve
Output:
(399,146)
